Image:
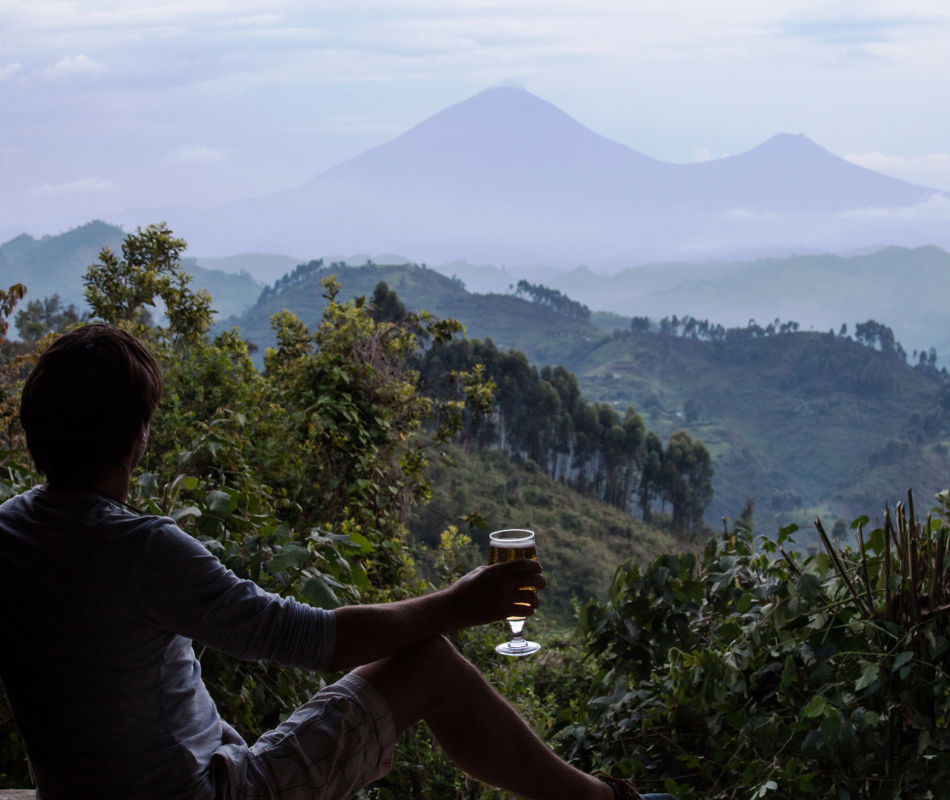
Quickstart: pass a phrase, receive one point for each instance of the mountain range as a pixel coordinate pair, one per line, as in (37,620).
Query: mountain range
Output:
(505,177)
(785,418)
(903,288)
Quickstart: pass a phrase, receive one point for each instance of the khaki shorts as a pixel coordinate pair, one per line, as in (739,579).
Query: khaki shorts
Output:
(332,746)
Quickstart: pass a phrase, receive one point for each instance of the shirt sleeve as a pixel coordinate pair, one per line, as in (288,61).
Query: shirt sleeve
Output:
(186,589)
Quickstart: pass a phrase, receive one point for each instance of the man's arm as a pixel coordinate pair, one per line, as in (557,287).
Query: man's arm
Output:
(486,594)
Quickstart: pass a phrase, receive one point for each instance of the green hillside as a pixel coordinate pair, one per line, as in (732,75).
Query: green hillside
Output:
(55,264)
(509,321)
(804,423)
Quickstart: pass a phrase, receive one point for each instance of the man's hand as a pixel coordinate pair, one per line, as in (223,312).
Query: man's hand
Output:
(486,594)
(491,593)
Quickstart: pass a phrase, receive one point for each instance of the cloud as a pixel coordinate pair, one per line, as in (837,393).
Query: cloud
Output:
(935,207)
(73,65)
(198,154)
(10,70)
(83,186)
(850,30)
(931,170)
(870,38)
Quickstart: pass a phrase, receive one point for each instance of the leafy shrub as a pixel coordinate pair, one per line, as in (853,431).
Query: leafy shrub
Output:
(746,674)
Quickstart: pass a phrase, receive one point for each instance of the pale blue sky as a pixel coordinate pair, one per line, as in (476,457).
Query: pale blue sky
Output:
(112,104)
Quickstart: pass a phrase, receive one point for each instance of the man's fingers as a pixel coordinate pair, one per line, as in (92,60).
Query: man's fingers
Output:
(527,597)
(534,582)
(519,565)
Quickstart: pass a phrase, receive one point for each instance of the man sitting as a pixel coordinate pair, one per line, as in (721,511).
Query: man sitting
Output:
(100,605)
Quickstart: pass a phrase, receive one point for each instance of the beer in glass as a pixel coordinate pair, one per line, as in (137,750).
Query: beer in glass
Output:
(509,545)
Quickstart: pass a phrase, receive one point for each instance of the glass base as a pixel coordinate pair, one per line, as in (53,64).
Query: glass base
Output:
(522,648)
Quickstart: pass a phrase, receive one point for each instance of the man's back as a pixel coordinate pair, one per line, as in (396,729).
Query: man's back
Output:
(98,607)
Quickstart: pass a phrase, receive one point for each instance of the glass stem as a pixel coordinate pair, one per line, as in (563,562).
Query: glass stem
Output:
(517,630)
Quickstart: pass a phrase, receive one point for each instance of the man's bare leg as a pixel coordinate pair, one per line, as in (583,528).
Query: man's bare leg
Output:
(478,729)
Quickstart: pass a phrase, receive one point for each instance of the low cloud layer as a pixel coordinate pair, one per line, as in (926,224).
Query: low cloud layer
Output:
(935,207)
(83,186)
(931,170)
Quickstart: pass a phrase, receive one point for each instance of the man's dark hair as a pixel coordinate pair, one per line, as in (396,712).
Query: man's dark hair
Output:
(85,402)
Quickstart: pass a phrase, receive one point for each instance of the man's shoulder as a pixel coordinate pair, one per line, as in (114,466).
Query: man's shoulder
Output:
(80,512)
(17,506)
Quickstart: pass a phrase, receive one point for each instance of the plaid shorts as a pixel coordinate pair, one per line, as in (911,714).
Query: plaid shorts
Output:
(333,745)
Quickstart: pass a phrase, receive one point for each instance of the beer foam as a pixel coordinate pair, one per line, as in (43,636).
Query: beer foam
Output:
(525,540)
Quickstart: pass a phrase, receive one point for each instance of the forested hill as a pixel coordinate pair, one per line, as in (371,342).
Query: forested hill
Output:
(511,322)
(804,423)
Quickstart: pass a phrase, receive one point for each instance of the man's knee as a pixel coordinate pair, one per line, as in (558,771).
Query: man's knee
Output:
(416,681)
(436,653)
(427,663)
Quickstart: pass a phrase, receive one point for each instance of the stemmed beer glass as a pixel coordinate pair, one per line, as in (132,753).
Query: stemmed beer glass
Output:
(508,545)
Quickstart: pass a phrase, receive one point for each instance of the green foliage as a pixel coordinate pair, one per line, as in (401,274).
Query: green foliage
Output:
(118,290)
(8,300)
(13,363)
(550,690)
(15,476)
(748,674)
(41,317)
(687,481)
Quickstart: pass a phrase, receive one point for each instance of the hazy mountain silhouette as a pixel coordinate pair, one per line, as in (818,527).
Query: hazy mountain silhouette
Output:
(904,288)
(506,177)
(56,265)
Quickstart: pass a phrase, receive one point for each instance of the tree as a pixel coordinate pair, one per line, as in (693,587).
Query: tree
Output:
(8,301)
(687,470)
(11,370)
(746,521)
(553,299)
(386,305)
(651,475)
(41,317)
(120,291)
(874,334)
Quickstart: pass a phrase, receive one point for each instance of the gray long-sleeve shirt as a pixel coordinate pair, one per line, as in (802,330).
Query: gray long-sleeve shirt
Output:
(98,609)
